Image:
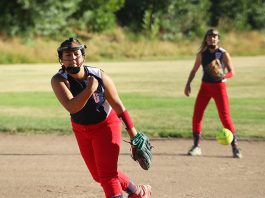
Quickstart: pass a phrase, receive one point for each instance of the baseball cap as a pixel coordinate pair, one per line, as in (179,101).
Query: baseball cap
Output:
(70,44)
(212,32)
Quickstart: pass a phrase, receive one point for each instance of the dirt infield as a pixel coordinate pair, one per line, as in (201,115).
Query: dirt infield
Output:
(50,166)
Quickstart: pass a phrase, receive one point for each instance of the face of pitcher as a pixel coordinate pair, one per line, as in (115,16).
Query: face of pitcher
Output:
(71,55)
(72,61)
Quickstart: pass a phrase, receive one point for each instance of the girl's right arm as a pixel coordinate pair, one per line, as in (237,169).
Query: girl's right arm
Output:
(70,103)
(195,68)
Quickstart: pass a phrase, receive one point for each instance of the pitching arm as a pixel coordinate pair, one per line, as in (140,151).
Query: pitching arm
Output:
(70,103)
(114,100)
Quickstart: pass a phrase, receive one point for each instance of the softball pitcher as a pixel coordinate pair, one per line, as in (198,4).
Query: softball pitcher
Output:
(91,98)
(215,61)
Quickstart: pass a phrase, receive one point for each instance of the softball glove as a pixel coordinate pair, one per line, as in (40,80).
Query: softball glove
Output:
(142,150)
(215,70)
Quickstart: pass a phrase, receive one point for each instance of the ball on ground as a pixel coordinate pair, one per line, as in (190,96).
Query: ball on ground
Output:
(224,136)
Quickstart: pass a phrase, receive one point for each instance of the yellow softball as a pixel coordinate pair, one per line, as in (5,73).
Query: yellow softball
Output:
(224,136)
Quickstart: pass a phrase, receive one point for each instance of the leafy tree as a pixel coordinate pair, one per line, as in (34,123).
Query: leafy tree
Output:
(132,13)
(229,14)
(240,14)
(97,15)
(184,18)
(30,17)
(256,14)
(168,19)
(49,17)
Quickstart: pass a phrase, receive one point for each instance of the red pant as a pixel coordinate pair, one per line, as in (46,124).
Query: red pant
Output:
(99,145)
(218,92)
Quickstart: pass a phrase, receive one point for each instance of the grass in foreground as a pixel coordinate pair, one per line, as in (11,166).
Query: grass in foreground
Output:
(39,112)
(152,91)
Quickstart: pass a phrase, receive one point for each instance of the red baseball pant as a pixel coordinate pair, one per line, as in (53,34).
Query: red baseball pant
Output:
(99,145)
(218,92)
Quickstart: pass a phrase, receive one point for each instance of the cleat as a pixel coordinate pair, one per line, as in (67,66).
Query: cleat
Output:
(195,151)
(143,191)
(236,153)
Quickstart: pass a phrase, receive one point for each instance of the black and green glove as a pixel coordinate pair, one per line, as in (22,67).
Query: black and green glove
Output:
(142,150)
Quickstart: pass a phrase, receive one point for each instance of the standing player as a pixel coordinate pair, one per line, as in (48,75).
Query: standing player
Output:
(214,61)
(91,98)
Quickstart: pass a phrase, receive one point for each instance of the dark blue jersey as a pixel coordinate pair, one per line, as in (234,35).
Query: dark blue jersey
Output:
(97,108)
(207,58)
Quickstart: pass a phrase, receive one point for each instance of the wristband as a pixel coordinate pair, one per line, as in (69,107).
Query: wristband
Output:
(229,75)
(126,119)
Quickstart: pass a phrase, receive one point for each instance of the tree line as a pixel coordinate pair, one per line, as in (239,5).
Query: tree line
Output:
(158,19)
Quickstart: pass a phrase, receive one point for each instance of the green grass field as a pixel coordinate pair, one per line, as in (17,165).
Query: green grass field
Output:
(152,91)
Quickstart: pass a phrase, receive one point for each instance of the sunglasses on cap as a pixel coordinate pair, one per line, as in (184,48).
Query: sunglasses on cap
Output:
(213,33)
